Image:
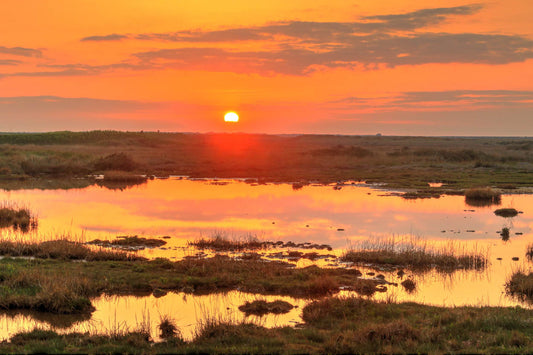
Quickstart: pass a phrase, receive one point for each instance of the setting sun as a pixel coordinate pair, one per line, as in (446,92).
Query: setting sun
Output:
(231,117)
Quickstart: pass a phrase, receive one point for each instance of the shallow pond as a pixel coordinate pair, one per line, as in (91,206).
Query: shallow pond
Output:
(178,210)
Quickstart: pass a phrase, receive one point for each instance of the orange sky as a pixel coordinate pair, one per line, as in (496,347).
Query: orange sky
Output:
(328,66)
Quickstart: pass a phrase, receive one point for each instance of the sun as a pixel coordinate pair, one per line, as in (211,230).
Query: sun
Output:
(231,117)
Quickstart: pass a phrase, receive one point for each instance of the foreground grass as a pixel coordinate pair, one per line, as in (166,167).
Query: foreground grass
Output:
(409,162)
(416,255)
(333,325)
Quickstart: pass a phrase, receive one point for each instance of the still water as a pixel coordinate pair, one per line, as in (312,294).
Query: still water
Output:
(178,210)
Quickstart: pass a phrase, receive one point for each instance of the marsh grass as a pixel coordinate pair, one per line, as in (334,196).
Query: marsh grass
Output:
(17,217)
(415,254)
(221,242)
(482,196)
(129,241)
(520,283)
(168,328)
(61,249)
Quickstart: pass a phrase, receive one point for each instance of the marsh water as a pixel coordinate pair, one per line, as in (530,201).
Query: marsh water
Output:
(178,210)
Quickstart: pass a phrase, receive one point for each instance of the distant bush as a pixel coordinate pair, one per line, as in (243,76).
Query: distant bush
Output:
(116,161)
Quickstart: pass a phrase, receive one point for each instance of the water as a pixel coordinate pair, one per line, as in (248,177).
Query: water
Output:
(182,210)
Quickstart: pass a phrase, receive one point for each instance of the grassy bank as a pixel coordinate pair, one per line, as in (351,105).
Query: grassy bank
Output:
(409,162)
(54,271)
(332,325)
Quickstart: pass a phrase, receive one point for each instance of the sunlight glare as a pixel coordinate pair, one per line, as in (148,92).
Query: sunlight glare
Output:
(231,117)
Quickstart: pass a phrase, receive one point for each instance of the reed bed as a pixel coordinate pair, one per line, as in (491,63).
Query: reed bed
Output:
(520,283)
(415,254)
(62,249)
(221,242)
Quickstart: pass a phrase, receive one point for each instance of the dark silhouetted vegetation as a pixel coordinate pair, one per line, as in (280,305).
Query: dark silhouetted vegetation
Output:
(261,307)
(506,212)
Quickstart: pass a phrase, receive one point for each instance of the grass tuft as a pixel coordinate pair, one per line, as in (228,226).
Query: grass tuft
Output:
(506,212)
(482,196)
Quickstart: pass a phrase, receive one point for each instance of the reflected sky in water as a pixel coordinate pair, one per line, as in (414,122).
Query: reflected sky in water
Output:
(188,209)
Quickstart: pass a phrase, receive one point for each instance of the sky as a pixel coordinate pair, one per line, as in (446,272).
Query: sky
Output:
(395,67)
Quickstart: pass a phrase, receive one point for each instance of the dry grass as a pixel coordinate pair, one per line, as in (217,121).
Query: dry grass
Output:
(480,196)
(168,328)
(520,284)
(17,217)
(221,242)
(61,249)
(415,254)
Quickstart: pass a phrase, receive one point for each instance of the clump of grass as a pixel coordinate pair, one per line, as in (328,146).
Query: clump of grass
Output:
(409,285)
(129,241)
(220,242)
(261,307)
(520,284)
(506,212)
(505,234)
(482,196)
(62,249)
(168,328)
(414,254)
(18,218)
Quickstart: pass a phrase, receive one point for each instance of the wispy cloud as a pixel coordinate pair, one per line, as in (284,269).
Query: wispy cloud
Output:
(111,37)
(10,62)
(437,101)
(20,51)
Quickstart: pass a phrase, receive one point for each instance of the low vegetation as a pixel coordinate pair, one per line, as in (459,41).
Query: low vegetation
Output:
(506,212)
(18,218)
(61,249)
(129,242)
(220,242)
(415,255)
(115,272)
(520,284)
(408,162)
(482,196)
(261,307)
